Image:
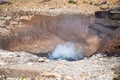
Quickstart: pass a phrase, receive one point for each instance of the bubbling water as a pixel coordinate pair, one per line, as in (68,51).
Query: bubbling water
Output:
(67,52)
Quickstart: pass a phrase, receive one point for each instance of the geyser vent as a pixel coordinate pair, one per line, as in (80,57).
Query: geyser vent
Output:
(67,52)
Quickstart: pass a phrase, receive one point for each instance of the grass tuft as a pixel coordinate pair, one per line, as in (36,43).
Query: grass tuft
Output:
(72,1)
(117,77)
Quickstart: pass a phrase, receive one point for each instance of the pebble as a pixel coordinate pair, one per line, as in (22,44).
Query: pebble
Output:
(14,23)
(8,18)
(41,60)
(2,63)
(30,63)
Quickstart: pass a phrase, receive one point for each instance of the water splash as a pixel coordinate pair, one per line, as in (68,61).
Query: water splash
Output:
(66,51)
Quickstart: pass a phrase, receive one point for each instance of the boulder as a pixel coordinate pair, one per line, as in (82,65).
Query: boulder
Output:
(111,14)
(113,45)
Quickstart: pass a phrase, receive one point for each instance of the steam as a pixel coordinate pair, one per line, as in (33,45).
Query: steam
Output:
(66,51)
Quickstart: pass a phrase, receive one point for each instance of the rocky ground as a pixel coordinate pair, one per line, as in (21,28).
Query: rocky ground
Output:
(15,65)
(83,6)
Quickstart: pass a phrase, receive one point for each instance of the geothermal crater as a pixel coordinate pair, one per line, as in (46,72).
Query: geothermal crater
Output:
(42,33)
